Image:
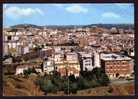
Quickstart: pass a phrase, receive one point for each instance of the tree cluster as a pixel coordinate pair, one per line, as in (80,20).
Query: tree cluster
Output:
(54,82)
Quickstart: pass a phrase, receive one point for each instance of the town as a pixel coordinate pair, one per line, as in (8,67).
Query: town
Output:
(69,50)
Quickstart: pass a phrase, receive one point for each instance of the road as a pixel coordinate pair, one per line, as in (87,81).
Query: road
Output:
(121,81)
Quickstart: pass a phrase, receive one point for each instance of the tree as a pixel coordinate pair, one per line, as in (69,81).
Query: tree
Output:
(29,71)
(100,75)
(72,78)
(48,86)
(82,83)
(105,80)
(66,87)
(73,87)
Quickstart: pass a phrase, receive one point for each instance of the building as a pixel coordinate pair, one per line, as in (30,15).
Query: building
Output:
(8,60)
(97,62)
(116,65)
(25,66)
(96,53)
(68,64)
(48,66)
(86,61)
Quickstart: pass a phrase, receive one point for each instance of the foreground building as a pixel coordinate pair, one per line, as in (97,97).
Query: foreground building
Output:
(86,61)
(116,65)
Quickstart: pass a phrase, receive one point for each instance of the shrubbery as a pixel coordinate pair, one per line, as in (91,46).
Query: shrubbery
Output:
(29,71)
(54,82)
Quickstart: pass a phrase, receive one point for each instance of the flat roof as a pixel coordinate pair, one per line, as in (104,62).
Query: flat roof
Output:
(114,56)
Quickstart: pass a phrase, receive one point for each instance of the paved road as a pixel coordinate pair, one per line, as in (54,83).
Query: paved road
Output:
(121,81)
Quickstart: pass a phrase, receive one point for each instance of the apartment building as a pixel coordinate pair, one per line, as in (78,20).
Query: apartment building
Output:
(116,65)
(86,61)
(67,64)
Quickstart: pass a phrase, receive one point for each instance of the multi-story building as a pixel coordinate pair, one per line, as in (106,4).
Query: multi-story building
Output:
(86,61)
(48,66)
(68,64)
(116,65)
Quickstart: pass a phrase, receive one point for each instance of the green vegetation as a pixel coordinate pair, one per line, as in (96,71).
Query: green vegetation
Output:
(54,82)
(55,85)
(29,71)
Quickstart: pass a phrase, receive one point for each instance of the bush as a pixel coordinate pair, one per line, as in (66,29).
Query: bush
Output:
(47,86)
(83,83)
(72,78)
(54,82)
(66,87)
(93,83)
(29,71)
(73,87)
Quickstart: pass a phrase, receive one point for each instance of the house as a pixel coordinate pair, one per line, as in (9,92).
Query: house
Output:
(25,66)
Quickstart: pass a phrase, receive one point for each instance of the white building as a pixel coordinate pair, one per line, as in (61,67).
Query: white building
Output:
(86,61)
(72,57)
(26,50)
(48,66)
(20,70)
(97,59)
(58,57)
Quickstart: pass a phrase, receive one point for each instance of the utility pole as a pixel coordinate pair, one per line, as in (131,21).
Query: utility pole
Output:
(66,67)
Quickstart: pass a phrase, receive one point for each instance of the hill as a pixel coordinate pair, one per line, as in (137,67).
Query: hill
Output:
(112,90)
(108,26)
(19,86)
(26,26)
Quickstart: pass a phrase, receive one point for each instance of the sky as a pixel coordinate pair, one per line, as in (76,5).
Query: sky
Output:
(68,14)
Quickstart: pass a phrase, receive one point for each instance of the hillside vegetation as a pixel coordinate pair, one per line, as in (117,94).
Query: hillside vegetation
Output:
(113,90)
(21,86)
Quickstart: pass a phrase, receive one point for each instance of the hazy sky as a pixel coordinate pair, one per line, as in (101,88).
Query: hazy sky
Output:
(68,14)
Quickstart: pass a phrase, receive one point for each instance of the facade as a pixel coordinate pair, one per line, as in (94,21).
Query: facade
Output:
(20,70)
(116,65)
(86,61)
(48,66)
(97,59)
(68,65)
(66,68)
(25,66)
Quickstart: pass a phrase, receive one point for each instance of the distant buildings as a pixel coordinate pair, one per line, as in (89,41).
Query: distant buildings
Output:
(31,43)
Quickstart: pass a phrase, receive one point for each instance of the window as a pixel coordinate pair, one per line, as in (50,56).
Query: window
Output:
(107,63)
(9,37)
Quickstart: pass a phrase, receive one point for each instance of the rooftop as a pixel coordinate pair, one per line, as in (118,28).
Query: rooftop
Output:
(84,54)
(114,56)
